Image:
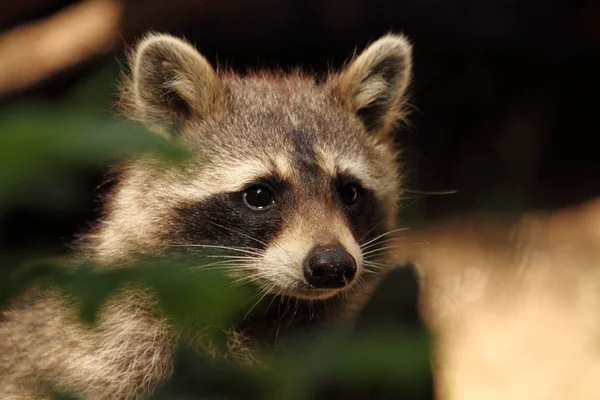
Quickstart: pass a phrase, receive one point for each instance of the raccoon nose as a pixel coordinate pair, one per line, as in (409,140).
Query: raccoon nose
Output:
(329,267)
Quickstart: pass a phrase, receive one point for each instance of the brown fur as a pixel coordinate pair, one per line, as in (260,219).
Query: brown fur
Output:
(236,129)
(120,359)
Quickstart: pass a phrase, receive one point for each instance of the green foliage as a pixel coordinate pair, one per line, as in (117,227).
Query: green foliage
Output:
(48,142)
(183,294)
(41,142)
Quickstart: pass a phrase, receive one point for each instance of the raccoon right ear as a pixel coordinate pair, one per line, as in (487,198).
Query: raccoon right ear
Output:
(170,83)
(374,84)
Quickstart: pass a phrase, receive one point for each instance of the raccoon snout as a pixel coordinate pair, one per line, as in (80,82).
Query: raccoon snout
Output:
(329,267)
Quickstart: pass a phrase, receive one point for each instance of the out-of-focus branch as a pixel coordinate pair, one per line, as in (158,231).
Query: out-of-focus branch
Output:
(34,52)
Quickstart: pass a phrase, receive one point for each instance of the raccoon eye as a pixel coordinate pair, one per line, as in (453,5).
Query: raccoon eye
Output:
(258,197)
(349,194)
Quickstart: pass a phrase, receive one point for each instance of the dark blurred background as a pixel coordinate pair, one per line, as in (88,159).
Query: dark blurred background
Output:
(505,97)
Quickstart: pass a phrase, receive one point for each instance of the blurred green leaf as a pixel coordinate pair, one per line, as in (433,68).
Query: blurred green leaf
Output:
(190,298)
(387,359)
(42,142)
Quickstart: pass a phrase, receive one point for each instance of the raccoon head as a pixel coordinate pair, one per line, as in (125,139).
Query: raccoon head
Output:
(297,181)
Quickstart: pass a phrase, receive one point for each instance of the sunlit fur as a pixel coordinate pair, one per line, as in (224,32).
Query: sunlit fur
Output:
(513,304)
(239,130)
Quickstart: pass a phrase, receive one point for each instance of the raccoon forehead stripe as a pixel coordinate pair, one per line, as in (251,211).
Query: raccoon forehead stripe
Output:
(334,164)
(360,169)
(230,177)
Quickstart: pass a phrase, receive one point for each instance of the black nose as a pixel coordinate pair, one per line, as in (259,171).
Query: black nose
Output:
(329,267)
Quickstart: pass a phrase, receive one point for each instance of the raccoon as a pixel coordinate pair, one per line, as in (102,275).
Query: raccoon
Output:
(300,177)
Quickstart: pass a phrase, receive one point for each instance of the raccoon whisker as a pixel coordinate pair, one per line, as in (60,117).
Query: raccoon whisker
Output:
(380,249)
(371,263)
(228,257)
(216,263)
(369,260)
(253,238)
(377,238)
(211,246)
(376,241)
(230,260)
(273,299)
(258,292)
(372,271)
(266,292)
(287,254)
(359,282)
(215,268)
(290,303)
(280,319)
(255,276)
(238,232)
(252,255)
(363,283)
(232,268)
(383,234)
(369,231)
(284,299)
(398,245)
(255,294)
(296,308)
(368,271)
(225,247)
(246,279)
(241,263)
(371,253)
(313,314)
(379,243)
(373,268)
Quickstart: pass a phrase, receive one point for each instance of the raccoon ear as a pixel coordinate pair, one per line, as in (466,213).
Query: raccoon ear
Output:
(171,82)
(374,84)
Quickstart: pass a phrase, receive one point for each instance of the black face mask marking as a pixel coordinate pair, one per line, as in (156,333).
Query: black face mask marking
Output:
(224,219)
(366,216)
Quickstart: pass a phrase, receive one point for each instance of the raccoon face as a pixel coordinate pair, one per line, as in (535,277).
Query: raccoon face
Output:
(295,183)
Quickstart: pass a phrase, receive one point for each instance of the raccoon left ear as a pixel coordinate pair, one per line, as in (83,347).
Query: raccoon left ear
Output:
(171,82)
(374,84)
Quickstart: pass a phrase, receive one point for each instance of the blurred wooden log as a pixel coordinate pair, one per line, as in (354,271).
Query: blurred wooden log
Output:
(31,53)
(514,306)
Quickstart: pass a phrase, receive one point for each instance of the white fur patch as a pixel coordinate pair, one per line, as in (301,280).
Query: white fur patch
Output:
(223,178)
